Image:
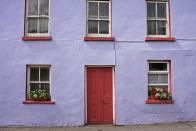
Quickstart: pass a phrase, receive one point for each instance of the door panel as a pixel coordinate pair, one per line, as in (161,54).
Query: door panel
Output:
(99,95)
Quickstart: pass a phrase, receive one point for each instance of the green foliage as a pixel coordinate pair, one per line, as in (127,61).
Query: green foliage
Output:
(39,94)
(159,93)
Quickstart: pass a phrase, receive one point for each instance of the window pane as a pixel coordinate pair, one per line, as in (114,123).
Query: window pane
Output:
(157,66)
(44,74)
(104,10)
(151,27)
(32,7)
(34,74)
(104,27)
(158,79)
(161,27)
(44,5)
(151,9)
(32,25)
(93,26)
(43,25)
(34,86)
(93,10)
(46,87)
(161,7)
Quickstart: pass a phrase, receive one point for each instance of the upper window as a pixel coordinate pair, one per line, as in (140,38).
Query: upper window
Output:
(159,87)
(37,18)
(38,83)
(98,18)
(157,18)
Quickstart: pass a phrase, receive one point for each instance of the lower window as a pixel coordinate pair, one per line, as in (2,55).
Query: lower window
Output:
(38,83)
(159,80)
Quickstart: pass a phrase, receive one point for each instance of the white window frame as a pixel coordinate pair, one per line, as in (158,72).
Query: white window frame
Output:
(109,20)
(39,82)
(37,16)
(158,19)
(160,72)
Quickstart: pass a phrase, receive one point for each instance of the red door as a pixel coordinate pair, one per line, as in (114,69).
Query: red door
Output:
(99,95)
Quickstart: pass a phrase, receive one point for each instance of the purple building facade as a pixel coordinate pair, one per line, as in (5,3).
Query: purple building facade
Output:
(141,57)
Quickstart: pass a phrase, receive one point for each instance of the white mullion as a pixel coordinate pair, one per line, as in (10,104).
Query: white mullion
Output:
(44,82)
(49,83)
(158,61)
(156,15)
(37,82)
(48,16)
(110,18)
(167,18)
(158,84)
(27,20)
(38,30)
(168,76)
(98,17)
(87,16)
(39,78)
(28,84)
(157,19)
(158,72)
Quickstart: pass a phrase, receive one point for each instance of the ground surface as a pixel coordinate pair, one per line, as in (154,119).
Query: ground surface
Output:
(182,126)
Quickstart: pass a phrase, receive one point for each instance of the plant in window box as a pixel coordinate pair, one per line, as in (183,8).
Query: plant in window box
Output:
(39,95)
(157,93)
(160,94)
(151,93)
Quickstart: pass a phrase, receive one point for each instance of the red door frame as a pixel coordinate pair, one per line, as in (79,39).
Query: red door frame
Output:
(113,89)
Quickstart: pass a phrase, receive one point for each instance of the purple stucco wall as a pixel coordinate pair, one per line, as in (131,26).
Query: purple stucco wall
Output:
(68,54)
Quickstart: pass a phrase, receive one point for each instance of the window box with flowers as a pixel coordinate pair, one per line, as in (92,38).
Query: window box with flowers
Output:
(39,95)
(157,93)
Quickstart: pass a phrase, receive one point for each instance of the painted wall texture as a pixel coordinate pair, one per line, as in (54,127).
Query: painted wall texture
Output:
(68,54)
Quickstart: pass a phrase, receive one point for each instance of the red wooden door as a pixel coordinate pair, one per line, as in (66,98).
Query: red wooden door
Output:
(99,95)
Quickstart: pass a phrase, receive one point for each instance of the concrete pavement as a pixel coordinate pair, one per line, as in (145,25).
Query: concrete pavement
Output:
(181,126)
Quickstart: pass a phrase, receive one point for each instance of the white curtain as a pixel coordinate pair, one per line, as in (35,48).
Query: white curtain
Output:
(158,79)
(44,5)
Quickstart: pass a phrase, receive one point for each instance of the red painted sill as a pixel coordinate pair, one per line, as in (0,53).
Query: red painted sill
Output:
(159,102)
(171,39)
(87,38)
(32,38)
(38,102)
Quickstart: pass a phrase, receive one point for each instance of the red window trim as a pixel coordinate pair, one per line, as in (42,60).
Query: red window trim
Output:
(32,38)
(171,39)
(159,102)
(38,102)
(87,38)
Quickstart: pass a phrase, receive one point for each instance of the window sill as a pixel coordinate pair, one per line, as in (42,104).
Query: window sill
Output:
(159,102)
(88,38)
(38,102)
(36,38)
(171,39)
